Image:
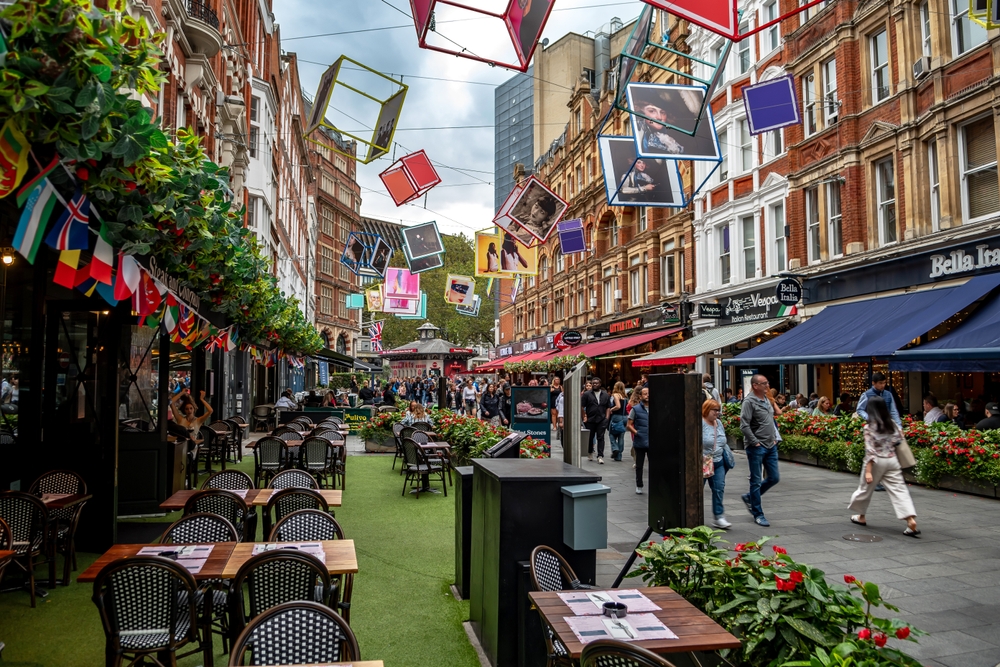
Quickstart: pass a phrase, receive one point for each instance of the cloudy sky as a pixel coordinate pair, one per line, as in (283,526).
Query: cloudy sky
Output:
(449,106)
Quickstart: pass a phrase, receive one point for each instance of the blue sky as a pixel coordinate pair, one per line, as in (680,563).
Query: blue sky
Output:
(456,95)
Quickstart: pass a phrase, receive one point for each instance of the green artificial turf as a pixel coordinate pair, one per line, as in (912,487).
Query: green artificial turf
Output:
(402,611)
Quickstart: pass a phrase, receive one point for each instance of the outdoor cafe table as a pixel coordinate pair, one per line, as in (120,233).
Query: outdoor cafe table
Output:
(227,558)
(695,631)
(52,502)
(254,497)
(430,448)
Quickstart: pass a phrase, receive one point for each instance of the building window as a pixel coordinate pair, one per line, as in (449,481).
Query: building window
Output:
(925,28)
(581,295)
(966,34)
(746,146)
(327,220)
(668,277)
(344,231)
(342,305)
(254,108)
(643,223)
(771,35)
(644,279)
(743,50)
(774,144)
(885,178)
(614,233)
(326,260)
(809,103)
(780,239)
(545,312)
(609,302)
(724,149)
(252,140)
(252,213)
(749,247)
(716,58)
(326,300)
(812,223)
(531,315)
(725,273)
(344,195)
(560,305)
(835,228)
(831,105)
(980,187)
(635,287)
(560,262)
(935,183)
(878,45)
(543,268)
(327,183)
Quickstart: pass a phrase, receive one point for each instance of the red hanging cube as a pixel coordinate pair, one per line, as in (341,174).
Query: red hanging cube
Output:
(410,177)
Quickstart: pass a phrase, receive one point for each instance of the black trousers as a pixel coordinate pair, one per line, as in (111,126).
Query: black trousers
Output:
(640,460)
(596,434)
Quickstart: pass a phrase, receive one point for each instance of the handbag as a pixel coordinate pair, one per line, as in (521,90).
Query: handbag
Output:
(904,455)
(728,460)
(617,425)
(707,466)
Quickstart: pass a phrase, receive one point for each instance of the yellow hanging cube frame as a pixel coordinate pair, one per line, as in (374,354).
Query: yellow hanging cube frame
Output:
(985,12)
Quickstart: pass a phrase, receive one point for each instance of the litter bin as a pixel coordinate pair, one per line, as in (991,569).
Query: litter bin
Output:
(585,516)
(463,529)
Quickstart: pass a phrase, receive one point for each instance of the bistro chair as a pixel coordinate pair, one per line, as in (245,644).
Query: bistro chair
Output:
(417,466)
(422,426)
(296,633)
(242,423)
(293,479)
(441,457)
(213,446)
(286,430)
(272,578)
(397,429)
(225,504)
(146,609)
(289,435)
(26,518)
(305,421)
(231,480)
(319,459)
(386,408)
(551,572)
(224,439)
(335,420)
(330,434)
(614,653)
(270,457)
(262,415)
(63,522)
(316,525)
(286,501)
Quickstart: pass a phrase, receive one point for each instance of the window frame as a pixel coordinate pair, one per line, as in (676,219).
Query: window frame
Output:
(744,57)
(831,104)
(814,241)
(780,262)
(966,172)
(724,150)
(959,18)
(810,126)
(925,29)
(834,221)
(934,180)
(642,219)
(770,12)
(746,146)
(876,67)
(749,272)
(884,205)
(725,254)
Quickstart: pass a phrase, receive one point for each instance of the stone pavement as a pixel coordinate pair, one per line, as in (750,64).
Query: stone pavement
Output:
(946,583)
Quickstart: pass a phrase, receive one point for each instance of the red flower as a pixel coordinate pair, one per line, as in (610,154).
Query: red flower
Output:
(784,585)
(82,173)
(130,186)
(902,633)
(741,547)
(780,550)
(849,579)
(864,633)
(880,639)
(795,576)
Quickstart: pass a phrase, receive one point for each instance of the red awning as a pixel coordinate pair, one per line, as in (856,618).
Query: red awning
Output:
(602,347)
(497,364)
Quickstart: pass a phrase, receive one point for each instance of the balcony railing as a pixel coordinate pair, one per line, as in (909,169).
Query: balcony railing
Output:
(201,11)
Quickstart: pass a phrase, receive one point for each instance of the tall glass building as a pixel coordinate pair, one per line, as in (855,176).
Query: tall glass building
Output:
(513,132)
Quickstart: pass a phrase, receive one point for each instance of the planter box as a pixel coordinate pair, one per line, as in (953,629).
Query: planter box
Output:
(796,456)
(386,444)
(909,477)
(952,483)
(734,442)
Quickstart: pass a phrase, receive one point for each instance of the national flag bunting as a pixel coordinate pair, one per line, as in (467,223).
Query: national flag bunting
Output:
(38,207)
(66,268)
(170,313)
(146,298)
(104,258)
(14,151)
(128,276)
(71,231)
(234,339)
(375,333)
(83,281)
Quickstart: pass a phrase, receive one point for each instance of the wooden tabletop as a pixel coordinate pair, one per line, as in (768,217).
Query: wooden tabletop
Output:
(695,631)
(340,557)
(212,569)
(333,497)
(66,500)
(5,555)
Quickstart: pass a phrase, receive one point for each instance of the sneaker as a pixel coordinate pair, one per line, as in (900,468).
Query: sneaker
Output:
(879,487)
(638,490)
(720,522)
(746,501)
(761,521)
(600,460)
(590,457)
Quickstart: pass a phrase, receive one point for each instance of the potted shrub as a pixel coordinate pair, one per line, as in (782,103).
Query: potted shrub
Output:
(377,433)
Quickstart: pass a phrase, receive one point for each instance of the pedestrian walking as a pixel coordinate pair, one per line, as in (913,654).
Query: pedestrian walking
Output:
(878,390)
(619,415)
(884,441)
(469,398)
(506,405)
(596,404)
(713,444)
(638,426)
(707,388)
(760,438)
(491,405)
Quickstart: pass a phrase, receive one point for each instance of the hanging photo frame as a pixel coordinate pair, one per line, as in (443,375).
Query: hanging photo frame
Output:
(425,263)
(630,180)
(537,209)
(401,284)
(421,309)
(410,177)
(422,240)
(487,246)
(470,311)
(571,236)
(381,255)
(375,297)
(459,290)
(517,258)
(772,105)
(402,306)
(674,107)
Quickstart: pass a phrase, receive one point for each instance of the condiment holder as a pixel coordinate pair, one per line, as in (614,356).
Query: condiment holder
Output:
(615,609)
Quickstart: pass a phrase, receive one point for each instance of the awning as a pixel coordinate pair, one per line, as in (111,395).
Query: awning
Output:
(709,341)
(366,367)
(497,364)
(975,340)
(609,345)
(335,358)
(865,329)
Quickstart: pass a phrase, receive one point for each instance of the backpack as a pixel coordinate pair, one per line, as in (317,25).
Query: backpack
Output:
(706,393)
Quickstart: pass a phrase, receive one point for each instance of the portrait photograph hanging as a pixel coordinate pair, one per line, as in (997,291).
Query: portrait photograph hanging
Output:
(380,257)
(425,263)
(538,209)
(422,240)
(402,306)
(664,118)
(516,257)
(631,180)
(488,254)
(375,299)
(401,284)
(459,290)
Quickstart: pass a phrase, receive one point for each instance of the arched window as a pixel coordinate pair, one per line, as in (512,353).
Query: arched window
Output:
(342,344)
(543,268)
(325,335)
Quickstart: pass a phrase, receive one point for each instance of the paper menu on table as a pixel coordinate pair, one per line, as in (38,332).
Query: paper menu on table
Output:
(637,627)
(192,556)
(590,603)
(49,497)
(312,548)
(242,493)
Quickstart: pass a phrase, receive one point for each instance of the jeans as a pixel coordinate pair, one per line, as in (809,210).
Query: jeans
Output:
(759,458)
(596,434)
(470,408)
(617,440)
(717,483)
(640,460)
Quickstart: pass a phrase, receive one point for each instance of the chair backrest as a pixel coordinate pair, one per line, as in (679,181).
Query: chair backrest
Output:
(614,653)
(200,528)
(238,419)
(286,429)
(412,453)
(397,429)
(290,434)
(334,420)
(58,481)
(306,526)
(286,501)
(142,599)
(317,453)
(387,408)
(220,502)
(422,426)
(221,427)
(263,411)
(293,479)
(329,434)
(25,517)
(276,577)
(6,538)
(420,437)
(301,420)
(231,480)
(296,633)
(550,571)
(406,432)
(271,452)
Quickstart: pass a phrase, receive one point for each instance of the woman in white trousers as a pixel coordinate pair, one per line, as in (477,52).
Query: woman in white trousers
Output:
(882,466)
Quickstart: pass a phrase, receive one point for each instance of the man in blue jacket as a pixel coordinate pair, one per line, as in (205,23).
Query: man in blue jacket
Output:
(878,389)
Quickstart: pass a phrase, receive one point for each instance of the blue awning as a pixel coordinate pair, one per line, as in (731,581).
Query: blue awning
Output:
(975,340)
(862,330)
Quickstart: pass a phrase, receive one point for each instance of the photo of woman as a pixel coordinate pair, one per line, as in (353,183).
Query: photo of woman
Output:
(492,259)
(527,19)
(488,255)
(401,284)
(511,258)
(664,115)
(630,180)
(460,290)
(538,209)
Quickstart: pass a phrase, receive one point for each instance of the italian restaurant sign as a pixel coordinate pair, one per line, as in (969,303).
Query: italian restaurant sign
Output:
(752,306)
(958,261)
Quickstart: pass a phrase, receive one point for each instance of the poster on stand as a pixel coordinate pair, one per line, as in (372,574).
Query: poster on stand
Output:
(531,412)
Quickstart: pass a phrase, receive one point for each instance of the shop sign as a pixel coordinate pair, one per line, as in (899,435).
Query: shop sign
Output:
(788,291)
(532,412)
(505,351)
(185,294)
(572,338)
(461,350)
(529,346)
(710,310)
(557,341)
(751,307)
(409,350)
(668,314)
(958,261)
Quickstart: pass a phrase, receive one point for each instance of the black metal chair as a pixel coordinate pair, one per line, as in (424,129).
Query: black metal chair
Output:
(284,502)
(422,426)
(614,653)
(333,420)
(293,479)
(317,525)
(417,466)
(287,430)
(26,518)
(270,457)
(272,578)
(318,457)
(441,457)
(62,522)
(230,480)
(148,607)
(224,438)
(551,572)
(330,434)
(262,415)
(296,633)
(225,504)
(397,430)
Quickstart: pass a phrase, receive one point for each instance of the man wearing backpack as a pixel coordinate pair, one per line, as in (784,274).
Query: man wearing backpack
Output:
(709,390)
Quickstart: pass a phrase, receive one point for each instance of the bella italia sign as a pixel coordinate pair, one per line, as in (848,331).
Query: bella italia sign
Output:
(959,261)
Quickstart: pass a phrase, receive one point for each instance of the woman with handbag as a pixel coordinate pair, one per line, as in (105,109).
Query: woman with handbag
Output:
(713,449)
(616,428)
(886,454)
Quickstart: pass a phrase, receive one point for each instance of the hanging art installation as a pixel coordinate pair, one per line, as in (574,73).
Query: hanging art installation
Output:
(721,16)
(471,311)
(986,13)
(772,105)
(571,236)
(459,290)
(410,177)
(488,254)
(401,284)
(670,122)
(630,180)
(421,309)
(533,213)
